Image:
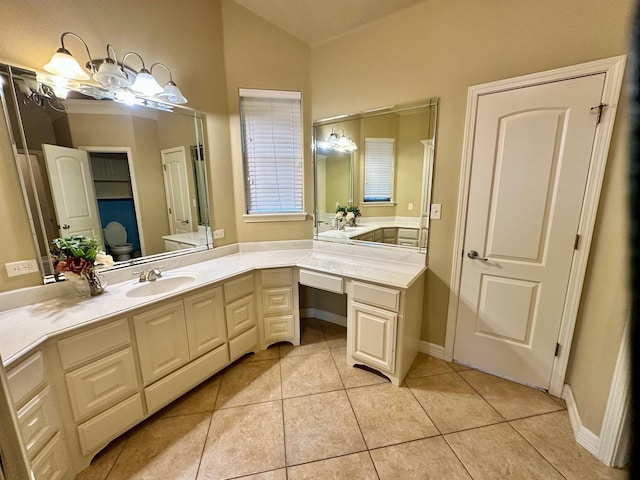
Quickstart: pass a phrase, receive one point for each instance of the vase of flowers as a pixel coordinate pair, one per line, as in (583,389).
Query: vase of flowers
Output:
(81,260)
(348,214)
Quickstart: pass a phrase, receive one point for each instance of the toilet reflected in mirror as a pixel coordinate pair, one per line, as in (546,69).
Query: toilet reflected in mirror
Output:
(115,239)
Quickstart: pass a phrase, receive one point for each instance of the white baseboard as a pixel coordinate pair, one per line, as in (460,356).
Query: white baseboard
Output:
(431,349)
(323,315)
(585,437)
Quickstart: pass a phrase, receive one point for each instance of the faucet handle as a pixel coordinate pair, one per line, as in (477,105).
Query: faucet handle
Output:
(142,276)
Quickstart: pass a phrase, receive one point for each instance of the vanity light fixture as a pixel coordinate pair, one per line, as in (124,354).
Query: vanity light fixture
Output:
(171,93)
(144,83)
(113,76)
(341,142)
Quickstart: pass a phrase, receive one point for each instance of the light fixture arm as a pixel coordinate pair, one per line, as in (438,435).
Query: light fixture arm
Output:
(166,68)
(124,59)
(115,57)
(64,50)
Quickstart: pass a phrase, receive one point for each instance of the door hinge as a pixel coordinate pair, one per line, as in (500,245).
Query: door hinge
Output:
(164,167)
(169,211)
(599,109)
(576,241)
(557,350)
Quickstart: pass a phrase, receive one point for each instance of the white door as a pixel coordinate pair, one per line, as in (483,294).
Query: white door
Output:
(176,184)
(531,154)
(73,192)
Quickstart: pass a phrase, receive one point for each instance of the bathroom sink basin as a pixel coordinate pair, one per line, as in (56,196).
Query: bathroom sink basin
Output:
(162,285)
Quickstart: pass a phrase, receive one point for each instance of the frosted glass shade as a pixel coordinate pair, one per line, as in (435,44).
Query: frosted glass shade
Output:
(172,94)
(64,65)
(146,84)
(110,76)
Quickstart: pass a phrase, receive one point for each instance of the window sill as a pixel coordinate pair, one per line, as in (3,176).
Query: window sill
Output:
(378,204)
(274,217)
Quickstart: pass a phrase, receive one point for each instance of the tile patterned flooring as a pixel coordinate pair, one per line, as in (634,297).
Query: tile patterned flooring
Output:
(301,413)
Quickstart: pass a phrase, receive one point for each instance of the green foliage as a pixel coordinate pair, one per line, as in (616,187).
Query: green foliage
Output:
(77,246)
(348,208)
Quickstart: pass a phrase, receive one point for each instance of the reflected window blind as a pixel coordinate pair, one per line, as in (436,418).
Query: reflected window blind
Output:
(378,169)
(272,142)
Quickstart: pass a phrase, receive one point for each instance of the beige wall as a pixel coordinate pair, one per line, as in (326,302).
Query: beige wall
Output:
(259,55)
(440,48)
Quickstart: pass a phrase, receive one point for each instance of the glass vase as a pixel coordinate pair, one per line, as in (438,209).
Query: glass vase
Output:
(91,284)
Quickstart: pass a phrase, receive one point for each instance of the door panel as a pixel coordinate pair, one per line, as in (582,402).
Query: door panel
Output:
(531,155)
(176,184)
(73,191)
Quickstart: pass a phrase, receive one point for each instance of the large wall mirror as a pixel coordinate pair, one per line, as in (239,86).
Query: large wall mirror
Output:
(132,175)
(373,175)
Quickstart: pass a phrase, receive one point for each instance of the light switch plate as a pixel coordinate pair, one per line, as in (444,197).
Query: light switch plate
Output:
(22,267)
(436,211)
(217,234)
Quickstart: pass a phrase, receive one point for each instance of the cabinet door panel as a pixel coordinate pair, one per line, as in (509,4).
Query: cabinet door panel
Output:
(162,341)
(241,315)
(243,343)
(238,287)
(26,378)
(205,321)
(373,336)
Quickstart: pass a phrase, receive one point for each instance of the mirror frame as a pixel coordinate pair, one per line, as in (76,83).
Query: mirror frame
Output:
(427,180)
(34,212)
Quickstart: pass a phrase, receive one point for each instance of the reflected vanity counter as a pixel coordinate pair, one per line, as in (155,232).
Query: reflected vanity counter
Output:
(82,371)
(404,231)
(180,241)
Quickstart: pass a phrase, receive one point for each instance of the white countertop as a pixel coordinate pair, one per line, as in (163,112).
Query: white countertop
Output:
(190,238)
(25,327)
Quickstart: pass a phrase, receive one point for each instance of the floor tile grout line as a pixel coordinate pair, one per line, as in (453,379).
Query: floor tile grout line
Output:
(536,450)
(206,437)
(481,396)
(422,407)
(284,428)
(116,459)
(466,469)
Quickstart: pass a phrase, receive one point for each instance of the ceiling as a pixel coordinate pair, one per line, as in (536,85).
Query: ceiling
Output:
(315,21)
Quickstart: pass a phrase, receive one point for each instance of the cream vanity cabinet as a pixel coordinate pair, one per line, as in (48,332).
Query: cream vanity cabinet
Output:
(383,323)
(383,326)
(240,310)
(38,419)
(99,372)
(180,344)
(279,302)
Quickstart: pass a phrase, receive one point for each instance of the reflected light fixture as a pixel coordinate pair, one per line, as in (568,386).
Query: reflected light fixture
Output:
(341,142)
(144,83)
(64,65)
(171,93)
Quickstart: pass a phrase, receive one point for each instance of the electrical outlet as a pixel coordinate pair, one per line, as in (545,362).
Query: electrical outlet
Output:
(22,267)
(436,211)
(218,234)
(410,207)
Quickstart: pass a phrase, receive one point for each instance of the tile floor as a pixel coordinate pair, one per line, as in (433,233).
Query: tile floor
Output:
(301,413)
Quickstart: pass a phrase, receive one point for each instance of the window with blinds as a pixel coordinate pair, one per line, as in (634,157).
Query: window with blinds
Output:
(379,155)
(272,149)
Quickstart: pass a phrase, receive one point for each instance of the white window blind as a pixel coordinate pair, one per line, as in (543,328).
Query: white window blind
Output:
(272,142)
(378,169)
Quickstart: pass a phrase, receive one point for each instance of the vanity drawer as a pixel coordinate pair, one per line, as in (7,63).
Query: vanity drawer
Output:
(243,343)
(408,233)
(276,301)
(277,277)
(241,315)
(238,288)
(102,383)
(376,295)
(109,424)
(26,378)
(52,463)
(321,281)
(278,327)
(38,422)
(93,343)
(172,386)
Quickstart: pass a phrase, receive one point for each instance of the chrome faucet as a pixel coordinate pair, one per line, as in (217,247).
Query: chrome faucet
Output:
(152,276)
